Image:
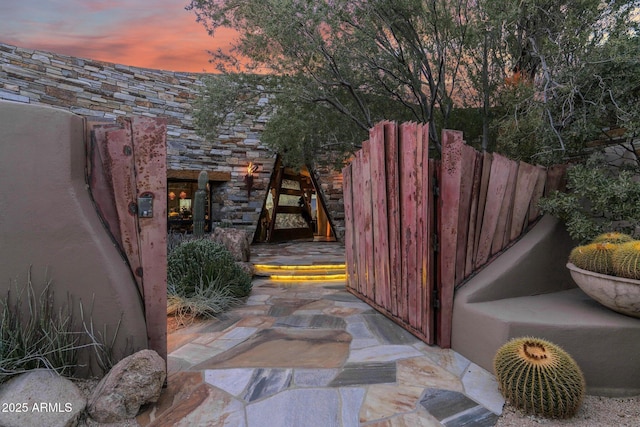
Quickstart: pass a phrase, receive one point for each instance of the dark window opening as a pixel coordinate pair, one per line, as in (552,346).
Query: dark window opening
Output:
(180,198)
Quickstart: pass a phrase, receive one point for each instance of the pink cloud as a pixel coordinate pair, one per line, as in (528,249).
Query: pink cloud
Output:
(159,34)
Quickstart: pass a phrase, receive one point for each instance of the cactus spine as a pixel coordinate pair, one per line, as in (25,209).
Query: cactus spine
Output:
(198,205)
(539,377)
(626,260)
(613,237)
(596,257)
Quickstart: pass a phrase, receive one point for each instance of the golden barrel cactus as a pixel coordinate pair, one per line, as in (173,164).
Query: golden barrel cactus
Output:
(613,237)
(539,377)
(596,257)
(626,260)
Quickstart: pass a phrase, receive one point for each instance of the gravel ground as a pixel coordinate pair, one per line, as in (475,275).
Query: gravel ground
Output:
(595,412)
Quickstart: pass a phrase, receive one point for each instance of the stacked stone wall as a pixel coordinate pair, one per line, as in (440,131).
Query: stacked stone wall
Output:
(99,89)
(330,183)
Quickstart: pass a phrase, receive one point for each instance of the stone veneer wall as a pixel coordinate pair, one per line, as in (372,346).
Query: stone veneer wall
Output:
(99,89)
(330,183)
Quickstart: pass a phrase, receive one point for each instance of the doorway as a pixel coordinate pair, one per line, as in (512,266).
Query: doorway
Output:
(293,208)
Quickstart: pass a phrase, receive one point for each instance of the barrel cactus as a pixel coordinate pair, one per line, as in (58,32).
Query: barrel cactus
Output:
(626,260)
(539,377)
(596,257)
(612,237)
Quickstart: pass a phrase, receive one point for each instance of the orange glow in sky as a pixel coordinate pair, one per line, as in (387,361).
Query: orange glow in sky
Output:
(151,34)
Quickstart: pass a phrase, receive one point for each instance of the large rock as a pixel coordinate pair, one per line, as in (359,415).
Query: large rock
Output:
(134,381)
(238,242)
(40,398)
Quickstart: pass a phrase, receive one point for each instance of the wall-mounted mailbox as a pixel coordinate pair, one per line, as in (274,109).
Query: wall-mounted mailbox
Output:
(145,205)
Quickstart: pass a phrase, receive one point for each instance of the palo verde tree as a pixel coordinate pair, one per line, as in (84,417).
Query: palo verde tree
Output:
(575,69)
(333,68)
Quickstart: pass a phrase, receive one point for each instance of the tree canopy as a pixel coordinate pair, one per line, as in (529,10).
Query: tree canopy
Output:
(533,72)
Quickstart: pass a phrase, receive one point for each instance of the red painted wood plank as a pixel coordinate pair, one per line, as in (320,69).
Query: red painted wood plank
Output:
(498,178)
(473,215)
(380,216)
(450,191)
(525,184)
(121,163)
(429,314)
(150,148)
(511,193)
(100,181)
(349,228)
(407,153)
(359,259)
(464,211)
(556,179)
(393,207)
(367,219)
(504,216)
(418,305)
(425,201)
(534,209)
(487,160)
(450,188)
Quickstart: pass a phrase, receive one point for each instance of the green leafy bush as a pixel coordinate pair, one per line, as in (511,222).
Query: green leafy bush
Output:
(599,199)
(203,279)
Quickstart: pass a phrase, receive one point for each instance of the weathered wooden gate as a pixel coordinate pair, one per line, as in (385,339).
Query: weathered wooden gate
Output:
(127,175)
(416,228)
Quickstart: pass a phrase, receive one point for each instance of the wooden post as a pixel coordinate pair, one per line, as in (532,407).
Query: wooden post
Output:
(150,148)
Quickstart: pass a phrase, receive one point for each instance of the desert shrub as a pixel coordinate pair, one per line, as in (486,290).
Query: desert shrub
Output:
(35,334)
(598,199)
(175,239)
(203,279)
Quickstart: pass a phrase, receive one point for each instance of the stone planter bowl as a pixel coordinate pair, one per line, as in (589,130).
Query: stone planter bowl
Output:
(617,293)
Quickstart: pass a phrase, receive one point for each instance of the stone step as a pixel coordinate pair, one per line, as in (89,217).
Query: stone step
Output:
(306,272)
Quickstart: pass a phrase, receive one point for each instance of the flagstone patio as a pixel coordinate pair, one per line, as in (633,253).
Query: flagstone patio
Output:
(311,354)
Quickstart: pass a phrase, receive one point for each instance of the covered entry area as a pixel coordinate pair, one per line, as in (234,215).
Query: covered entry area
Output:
(293,208)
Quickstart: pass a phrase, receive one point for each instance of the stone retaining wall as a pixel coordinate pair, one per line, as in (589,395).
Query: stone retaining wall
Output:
(99,89)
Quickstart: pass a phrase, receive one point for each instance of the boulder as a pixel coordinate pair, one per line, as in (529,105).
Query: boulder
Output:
(237,241)
(40,398)
(247,267)
(134,381)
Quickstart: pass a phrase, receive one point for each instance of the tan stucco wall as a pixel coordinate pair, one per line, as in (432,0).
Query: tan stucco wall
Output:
(528,291)
(48,221)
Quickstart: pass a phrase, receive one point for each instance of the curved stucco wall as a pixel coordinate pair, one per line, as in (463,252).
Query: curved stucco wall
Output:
(528,291)
(99,89)
(48,221)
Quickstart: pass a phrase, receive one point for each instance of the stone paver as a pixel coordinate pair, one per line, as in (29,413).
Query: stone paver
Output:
(311,354)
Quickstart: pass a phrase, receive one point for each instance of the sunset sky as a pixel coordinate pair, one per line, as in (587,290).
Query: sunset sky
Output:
(152,34)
